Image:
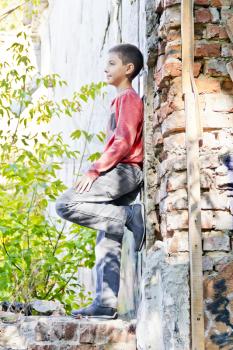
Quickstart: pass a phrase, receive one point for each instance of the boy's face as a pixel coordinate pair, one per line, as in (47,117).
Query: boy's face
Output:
(116,71)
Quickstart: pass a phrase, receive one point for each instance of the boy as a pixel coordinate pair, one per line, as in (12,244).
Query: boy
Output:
(100,199)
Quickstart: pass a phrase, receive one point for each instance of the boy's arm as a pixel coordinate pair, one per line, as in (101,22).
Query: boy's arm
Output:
(130,116)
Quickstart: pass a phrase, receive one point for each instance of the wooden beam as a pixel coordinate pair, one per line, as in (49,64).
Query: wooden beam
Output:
(193,133)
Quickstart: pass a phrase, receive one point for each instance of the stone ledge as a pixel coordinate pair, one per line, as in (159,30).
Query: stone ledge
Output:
(66,333)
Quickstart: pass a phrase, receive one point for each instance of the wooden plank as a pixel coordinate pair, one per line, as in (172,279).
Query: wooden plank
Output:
(193,133)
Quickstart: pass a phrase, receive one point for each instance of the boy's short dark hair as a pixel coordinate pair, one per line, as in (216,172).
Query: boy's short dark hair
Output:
(129,53)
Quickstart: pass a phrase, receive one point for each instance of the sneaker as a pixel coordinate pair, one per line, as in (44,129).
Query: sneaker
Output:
(95,310)
(135,223)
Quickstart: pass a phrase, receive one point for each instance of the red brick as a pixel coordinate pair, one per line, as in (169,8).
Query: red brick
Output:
(201,2)
(219,3)
(174,34)
(171,68)
(204,49)
(173,49)
(203,15)
(216,31)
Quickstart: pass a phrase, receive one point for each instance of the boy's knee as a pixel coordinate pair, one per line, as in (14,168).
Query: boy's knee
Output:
(61,208)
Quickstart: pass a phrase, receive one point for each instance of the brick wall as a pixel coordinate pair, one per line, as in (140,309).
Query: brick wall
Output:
(212,71)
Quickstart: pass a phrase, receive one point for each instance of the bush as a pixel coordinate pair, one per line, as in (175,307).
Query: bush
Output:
(38,259)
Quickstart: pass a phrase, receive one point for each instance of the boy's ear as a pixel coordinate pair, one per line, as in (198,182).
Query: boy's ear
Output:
(130,68)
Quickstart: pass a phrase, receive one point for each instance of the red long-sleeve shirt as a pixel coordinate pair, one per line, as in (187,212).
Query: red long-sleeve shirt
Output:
(124,134)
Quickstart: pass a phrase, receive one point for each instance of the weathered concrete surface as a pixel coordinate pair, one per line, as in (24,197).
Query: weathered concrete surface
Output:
(163,316)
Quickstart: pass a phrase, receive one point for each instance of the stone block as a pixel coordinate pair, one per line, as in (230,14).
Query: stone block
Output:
(227,50)
(174,163)
(226,14)
(227,84)
(174,123)
(229,67)
(177,220)
(225,182)
(43,347)
(219,102)
(174,142)
(218,291)
(220,259)
(171,18)
(216,240)
(215,67)
(214,14)
(164,111)
(176,180)
(176,200)
(222,220)
(213,199)
(157,138)
(168,3)
(207,178)
(210,141)
(207,263)
(207,85)
(207,219)
(178,242)
(229,27)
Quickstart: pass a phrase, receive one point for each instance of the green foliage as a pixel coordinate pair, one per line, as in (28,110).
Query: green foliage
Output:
(39,258)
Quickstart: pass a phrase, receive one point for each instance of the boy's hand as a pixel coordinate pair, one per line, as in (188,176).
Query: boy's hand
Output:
(84,183)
